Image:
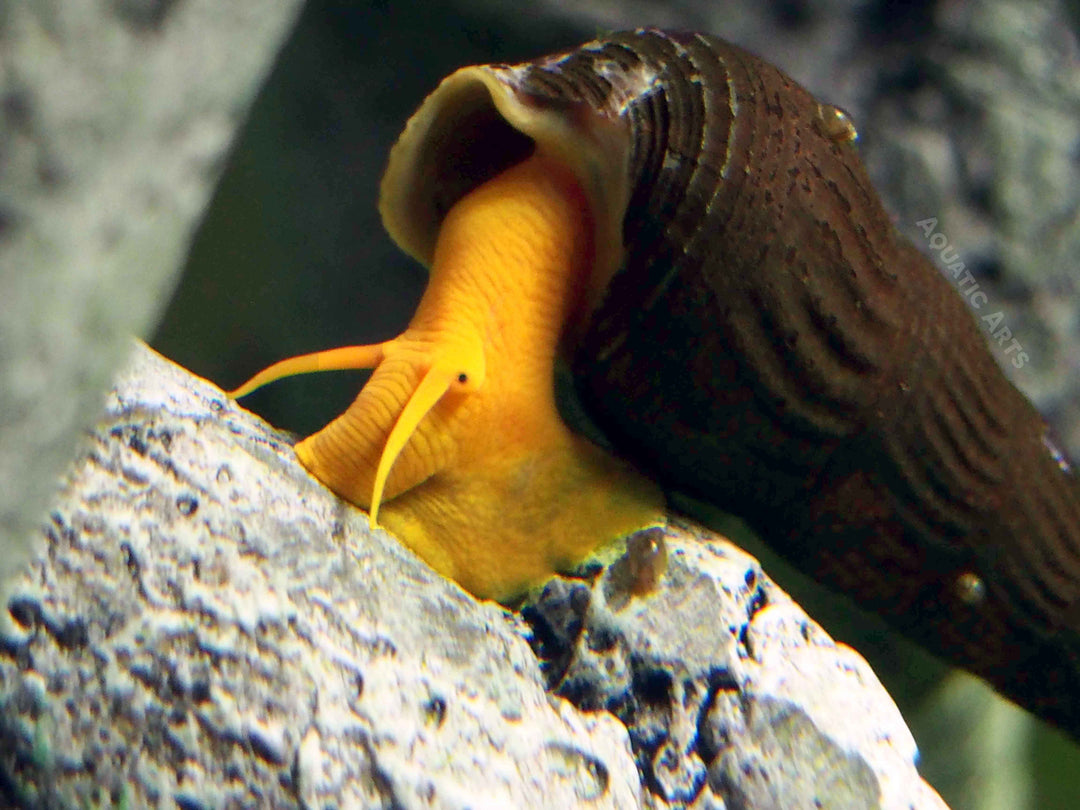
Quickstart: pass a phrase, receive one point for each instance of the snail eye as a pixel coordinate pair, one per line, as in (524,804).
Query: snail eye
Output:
(463,382)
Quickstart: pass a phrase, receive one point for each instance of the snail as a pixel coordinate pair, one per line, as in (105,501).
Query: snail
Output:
(694,234)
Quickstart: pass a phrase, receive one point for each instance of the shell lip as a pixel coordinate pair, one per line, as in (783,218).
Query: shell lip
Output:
(479,121)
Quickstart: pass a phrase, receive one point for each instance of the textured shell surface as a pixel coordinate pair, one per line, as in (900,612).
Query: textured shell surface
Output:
(758,334)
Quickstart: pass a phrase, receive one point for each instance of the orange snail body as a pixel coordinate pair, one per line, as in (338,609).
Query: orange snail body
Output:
(455,443)
(750,329)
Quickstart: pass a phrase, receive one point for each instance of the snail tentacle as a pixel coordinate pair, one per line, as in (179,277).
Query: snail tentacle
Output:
(344,358)
(464,372)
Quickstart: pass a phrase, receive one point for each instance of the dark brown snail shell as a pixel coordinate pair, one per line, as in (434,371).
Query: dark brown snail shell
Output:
(760,336)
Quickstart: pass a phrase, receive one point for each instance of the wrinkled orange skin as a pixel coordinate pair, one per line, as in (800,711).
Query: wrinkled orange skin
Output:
(455,443)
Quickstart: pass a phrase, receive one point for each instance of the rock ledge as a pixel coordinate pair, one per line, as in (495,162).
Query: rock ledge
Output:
(207,627)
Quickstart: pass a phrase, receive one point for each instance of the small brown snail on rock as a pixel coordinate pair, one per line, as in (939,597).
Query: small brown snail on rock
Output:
(694,233)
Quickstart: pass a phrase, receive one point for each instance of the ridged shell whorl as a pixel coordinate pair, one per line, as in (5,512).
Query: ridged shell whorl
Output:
(686,146)
(758,334)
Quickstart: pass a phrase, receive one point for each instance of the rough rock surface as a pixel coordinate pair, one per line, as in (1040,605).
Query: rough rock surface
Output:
(732,696)
(209,627)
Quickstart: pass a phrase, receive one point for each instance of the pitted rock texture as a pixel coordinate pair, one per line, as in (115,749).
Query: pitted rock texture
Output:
(208,627)
(732,695)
